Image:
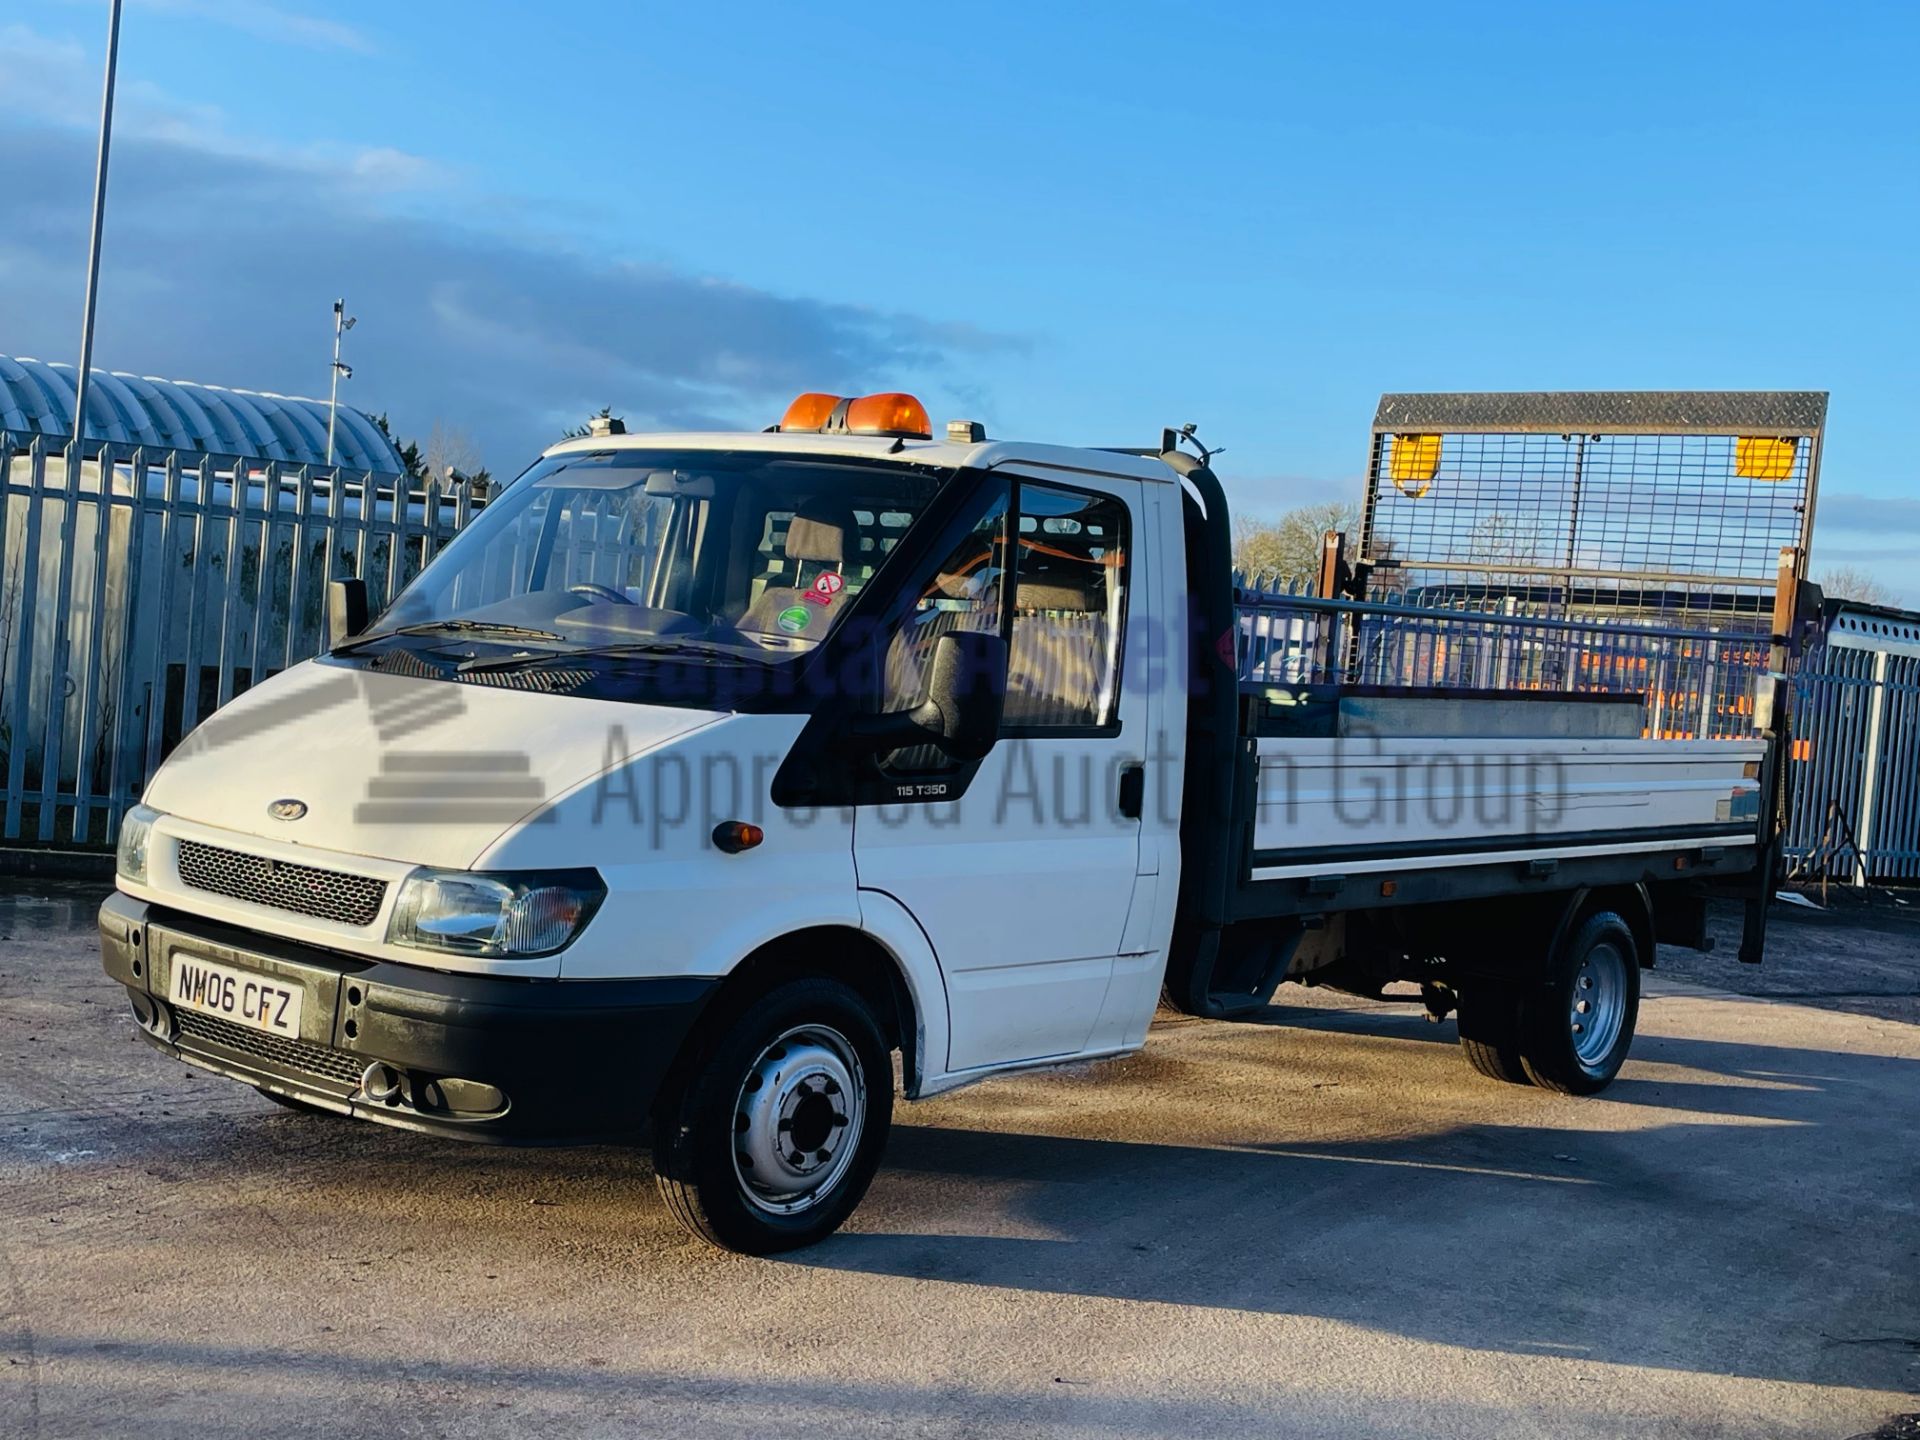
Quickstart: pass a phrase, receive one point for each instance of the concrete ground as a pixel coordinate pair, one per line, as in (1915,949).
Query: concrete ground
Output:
(1319,1224)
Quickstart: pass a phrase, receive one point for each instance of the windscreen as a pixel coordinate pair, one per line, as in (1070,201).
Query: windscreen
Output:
(757,555)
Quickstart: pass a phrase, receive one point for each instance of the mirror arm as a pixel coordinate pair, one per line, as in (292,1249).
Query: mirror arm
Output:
(895,730)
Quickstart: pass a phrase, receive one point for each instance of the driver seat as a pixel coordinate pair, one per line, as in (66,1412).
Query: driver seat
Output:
(817,538)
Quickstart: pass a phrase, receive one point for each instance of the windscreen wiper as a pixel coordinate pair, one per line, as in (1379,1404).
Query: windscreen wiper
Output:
(478,627)
(451,627)
(606,652)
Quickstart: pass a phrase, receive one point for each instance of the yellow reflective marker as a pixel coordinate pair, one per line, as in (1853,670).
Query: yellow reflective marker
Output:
(1413,462)
(1757,457)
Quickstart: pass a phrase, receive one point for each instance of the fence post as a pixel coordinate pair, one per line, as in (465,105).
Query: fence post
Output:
(1707,682)
(21,686)
(1333,546)
(290,650)
(94,656)
(225,655)
(125,736)
(54,737)
(1870,768)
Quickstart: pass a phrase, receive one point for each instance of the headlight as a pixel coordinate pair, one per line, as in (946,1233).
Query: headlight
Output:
(136,831)
(506,913)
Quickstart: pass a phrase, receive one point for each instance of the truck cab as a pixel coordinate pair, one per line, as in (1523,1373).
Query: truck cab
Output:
(836,738)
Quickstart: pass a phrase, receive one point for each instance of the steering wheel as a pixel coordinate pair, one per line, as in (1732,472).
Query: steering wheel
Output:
(601,592)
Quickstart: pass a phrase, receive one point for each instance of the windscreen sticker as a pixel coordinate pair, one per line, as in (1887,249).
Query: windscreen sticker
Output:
(826,585)
(794,619)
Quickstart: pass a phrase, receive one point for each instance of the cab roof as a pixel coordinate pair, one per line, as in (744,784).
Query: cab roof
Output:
(979,455)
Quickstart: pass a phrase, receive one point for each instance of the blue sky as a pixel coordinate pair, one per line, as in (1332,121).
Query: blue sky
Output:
(1076,223)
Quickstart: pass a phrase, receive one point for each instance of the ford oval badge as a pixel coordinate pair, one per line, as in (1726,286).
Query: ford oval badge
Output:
(287,809)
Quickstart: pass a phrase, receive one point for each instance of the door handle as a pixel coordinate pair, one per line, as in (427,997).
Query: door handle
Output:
(1133,790)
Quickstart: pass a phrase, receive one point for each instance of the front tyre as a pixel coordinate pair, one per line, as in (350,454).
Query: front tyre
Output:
(1577,1028)
(771,1138)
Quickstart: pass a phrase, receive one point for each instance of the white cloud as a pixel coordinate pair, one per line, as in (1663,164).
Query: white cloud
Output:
(223,252)
(40,77)
(222,257)
(272,22)
(275,23)
(56,82)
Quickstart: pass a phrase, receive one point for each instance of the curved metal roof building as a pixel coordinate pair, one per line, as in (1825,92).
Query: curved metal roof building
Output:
(36,395)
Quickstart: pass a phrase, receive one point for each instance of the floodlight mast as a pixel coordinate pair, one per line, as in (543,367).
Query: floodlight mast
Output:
(93,244)
(342,322)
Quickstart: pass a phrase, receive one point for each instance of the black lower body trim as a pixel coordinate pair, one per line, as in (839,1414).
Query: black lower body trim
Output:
(477,1057)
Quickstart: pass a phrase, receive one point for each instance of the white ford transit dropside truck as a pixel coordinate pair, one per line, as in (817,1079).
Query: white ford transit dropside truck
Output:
(701,773)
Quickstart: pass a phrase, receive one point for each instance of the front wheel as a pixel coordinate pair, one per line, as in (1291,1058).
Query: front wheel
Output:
(771,1138)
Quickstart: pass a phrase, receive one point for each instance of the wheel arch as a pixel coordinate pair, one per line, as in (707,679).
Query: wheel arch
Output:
(841,952)
(1631,902)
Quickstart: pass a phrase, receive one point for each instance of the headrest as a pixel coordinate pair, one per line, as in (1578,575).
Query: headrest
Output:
(819,536)
(1044,595)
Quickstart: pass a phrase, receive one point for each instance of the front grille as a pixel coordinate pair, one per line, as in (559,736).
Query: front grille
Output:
(303,889)
(333,1067)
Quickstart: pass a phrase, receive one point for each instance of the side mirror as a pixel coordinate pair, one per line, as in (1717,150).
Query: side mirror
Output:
(346,611)
(966,691)
(960,705)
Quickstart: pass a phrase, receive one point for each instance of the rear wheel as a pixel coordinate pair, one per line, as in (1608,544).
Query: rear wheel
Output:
(1577,1028)
(1489,1019)
(771,1138)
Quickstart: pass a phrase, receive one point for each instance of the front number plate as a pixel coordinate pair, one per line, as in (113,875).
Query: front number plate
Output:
(236,995)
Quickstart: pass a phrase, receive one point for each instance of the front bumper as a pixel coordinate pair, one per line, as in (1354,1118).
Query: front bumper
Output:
(478,1057)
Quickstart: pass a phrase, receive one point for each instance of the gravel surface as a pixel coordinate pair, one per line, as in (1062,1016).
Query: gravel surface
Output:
(1859,952)
(1320,1224)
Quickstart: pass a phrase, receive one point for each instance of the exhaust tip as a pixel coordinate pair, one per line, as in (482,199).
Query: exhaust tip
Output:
(153,1016)
(381,1082)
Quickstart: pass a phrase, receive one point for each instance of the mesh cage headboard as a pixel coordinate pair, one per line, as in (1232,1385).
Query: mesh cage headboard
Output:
(1620,503)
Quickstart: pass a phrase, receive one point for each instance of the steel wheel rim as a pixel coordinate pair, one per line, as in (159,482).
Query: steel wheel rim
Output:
(798,1119)
(1599,1006)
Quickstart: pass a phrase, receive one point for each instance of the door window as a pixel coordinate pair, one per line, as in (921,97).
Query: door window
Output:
(1069,611)
(963,593)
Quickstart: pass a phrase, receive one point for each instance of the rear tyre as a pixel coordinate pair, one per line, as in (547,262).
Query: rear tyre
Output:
(768,1141)
(1577,1028)
(1488,1015)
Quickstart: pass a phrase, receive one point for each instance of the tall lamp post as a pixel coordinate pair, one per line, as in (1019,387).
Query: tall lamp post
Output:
(342,322)
(93,245)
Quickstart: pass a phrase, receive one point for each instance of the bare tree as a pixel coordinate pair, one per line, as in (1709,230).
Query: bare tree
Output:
(1850,582)
(1506,540)
(1289,546)
(450,447)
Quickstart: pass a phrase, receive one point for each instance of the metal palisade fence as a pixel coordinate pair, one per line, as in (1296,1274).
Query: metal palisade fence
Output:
(144,588)
(1855,798)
